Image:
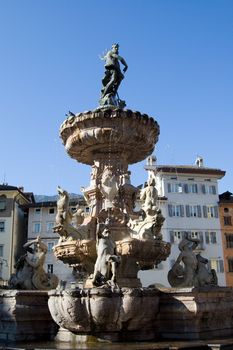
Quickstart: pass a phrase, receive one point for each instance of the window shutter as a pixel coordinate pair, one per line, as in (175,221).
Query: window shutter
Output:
(199,211)
(169,209)
(205,211)
(186,188)
(203,189)
(201,237)
(213,237)
(183,234)
(169,187)
(182,210)
(187,211)
(207,238)
(221,266)
(216,212)
(172,237)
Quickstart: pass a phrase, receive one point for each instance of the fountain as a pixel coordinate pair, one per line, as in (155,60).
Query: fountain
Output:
(115,241)
(110,246)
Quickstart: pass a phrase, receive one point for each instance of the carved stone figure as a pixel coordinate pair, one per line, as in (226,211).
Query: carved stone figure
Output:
(113,77)
(63,217)
(183,275)
(78,216)
(193,271)
(30,273)
(109,186)
(107,259)
(203,276)
(127,194)
(149,195)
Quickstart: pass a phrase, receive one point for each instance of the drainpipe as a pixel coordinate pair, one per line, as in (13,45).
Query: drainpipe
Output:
(12,236)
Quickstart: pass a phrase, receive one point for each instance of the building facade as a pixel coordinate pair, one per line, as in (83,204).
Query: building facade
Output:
(226,220)
(41,220)
(13,227)
(188,199)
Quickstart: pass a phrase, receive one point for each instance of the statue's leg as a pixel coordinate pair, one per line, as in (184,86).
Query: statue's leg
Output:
(110,87)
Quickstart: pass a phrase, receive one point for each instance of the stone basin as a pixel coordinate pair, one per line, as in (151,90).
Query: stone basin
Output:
(89,135)
(134,253)
(109,314)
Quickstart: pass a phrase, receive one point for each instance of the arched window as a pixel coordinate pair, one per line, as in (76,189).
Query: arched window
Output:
(2,202)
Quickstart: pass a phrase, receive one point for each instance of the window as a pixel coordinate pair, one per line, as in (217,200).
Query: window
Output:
(227,220)
(37,210)
(210,211)
(212,189)
(217,265)
(174,187)
(230,265)
(51,210)
(50,226)
(229,240)
(2,226)
(226,210)
(209,189)
(175,210)
(50,246)
(192,188)
(210,237)
(1,250)
(50,268)
(87,209)
(2,203)
(37,227)
(193,211)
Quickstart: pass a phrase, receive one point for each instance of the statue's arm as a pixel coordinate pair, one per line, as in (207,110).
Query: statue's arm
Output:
(121,59)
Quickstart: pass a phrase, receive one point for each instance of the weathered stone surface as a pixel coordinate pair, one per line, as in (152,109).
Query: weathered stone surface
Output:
(123,314)
(144,313)
(89,135)
(24,315)
(196,313)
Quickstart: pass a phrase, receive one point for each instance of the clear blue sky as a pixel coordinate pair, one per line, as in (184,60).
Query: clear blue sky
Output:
(180,57)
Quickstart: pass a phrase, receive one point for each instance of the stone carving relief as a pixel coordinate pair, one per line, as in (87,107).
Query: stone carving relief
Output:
(109,186)
(190,269)
(30,273)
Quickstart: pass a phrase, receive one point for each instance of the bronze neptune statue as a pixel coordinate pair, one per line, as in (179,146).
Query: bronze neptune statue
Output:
(112,79)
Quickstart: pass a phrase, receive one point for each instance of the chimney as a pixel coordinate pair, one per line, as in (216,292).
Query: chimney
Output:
(199,162)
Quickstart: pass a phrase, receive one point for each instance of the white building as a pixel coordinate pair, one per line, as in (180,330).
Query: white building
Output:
(188,198)
(41,220)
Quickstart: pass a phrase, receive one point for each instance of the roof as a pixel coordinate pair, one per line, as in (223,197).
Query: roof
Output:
(226,197)
(29,196)
(187,169)
(47,204)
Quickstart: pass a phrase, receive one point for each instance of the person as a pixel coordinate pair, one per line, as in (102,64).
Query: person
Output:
(113,75)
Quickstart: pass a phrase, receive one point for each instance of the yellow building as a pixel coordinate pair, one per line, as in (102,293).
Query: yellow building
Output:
(13,226)
(226,220)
